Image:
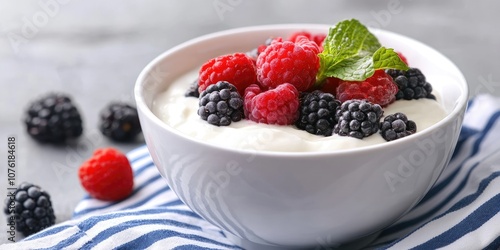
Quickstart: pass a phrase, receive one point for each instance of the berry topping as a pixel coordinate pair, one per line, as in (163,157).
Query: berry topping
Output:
(317,38)
(274,106)
(237,68)
(411,84)
(30,208)
(107,175)
(220,104)
(378,89)
(397,126)
(289,62)
(357,118)
(317,113)
(192,91)
(120,122)
(53,118)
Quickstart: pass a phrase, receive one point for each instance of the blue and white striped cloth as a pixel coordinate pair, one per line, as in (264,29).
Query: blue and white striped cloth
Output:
(460,212)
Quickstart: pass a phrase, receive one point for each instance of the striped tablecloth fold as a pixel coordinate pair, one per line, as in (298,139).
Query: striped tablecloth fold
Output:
(461,211)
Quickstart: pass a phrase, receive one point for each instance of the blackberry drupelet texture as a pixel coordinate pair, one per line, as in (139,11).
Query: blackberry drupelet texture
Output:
(397,126)
(32,209)
(357,118)
(192,91)
(53,118)
(317,112)
(220,104)
(412,84)
(120,122)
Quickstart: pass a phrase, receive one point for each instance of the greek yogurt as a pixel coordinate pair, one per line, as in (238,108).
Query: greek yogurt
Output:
(180,113)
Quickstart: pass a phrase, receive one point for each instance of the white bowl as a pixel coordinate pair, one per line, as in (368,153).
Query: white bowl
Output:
(299,199)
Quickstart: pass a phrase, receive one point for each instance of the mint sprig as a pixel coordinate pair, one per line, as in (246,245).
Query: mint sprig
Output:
(352,53)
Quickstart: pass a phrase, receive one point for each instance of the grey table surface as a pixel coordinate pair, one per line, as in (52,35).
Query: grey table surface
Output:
(94,51)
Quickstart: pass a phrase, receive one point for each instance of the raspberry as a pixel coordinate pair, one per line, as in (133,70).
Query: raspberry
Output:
(53,118)
(330,86)
(397,126)
(377,89)
(30,208)
(403,58)
(275,106)
(411,84)
(120,122)
(107,175)
(237,68)
(288,62)
(317,38)
(317,113)
(357,118)
(220,104)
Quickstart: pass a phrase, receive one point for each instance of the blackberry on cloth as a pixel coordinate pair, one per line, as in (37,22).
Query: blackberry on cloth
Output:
(120,122)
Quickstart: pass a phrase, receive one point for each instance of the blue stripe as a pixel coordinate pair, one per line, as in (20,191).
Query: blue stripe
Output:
(148,198)
(469,224)
(68,241)
(475,149)
(90,222)
(109,232)
(465,134)
(139,171)
(463,202)
(110,204)
(47,232)
(434,191)
(150,238)
(494,245)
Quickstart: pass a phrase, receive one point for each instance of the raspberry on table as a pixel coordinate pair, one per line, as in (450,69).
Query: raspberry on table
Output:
(378,89)
(53,118)
(107,175)
(412,84)
(275,106)
(119,122)
(289,62)
(317,113)
(397,126)
(220,104)
(358,118)
(237,68)
(31,208)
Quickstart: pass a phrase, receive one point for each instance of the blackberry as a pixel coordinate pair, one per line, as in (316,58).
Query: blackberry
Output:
(119,122)
(397,126)
(317,113)
(53,118)
(192,91)
(357,118)
(221,104)
(31,209)
(411,84)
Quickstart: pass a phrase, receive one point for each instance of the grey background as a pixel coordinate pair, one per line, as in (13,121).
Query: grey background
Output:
(94,51)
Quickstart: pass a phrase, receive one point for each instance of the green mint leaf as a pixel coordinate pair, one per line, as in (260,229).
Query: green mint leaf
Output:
(385,58)
(352,53)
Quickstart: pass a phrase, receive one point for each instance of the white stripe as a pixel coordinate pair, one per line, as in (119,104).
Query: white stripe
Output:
(481,237)
(138,152)
(449,220)
(133,233)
